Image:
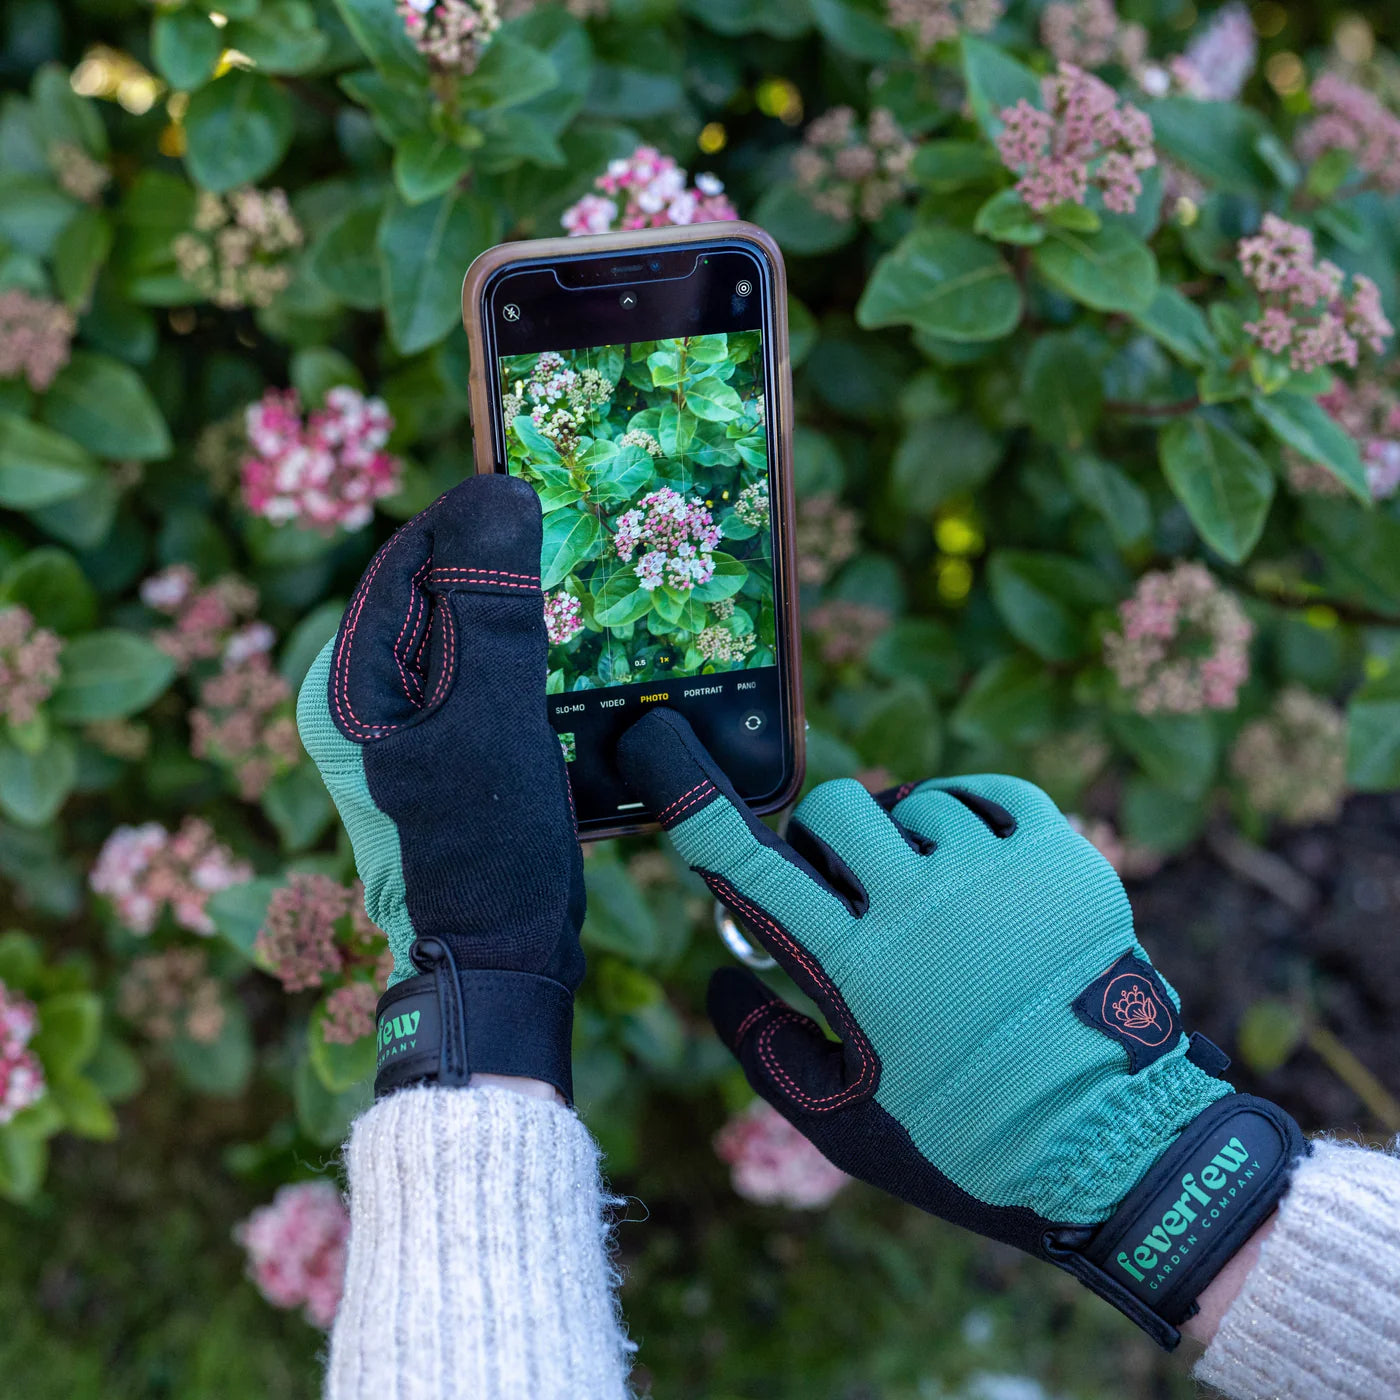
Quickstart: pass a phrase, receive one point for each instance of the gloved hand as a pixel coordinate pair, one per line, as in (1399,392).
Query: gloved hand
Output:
(426,716)
(1008,1057)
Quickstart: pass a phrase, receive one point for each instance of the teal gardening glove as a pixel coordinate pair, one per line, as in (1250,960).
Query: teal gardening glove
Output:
(1008,1057)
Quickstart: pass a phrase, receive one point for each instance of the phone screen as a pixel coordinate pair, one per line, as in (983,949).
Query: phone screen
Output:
(633,392)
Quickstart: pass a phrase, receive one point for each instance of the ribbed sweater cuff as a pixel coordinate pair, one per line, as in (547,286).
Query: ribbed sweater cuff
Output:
(1318,1317)
(478,1261)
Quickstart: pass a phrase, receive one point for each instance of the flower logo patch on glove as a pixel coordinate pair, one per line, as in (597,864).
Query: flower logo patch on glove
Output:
(1129,1004)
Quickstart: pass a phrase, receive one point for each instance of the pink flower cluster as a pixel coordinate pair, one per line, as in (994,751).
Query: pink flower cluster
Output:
(245,723)
(172,993)
(828,534)
(1351,119)
(845,630)
(676,538)
(35,335)
(237,253)
(28,664)
(1218,62)
(1370,413)
(21,1074)
(451,34)
(650,191)
(349,1014)
(77,172)
(931,22)
(721,647)
(1084,137)
(1305,313)
(771,1163)
(1293,761)
(1089,34)
(1182,643)
(209,622)
(316,928)
(563,618)
(143,869)
(324,474)
(296,1249)
(846,171)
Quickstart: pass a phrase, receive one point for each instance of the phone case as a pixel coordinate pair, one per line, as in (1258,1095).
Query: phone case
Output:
(502,255)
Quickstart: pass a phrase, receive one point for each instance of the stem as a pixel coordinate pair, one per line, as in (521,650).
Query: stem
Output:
(1348,612)
(1380,1102)
(1153,410)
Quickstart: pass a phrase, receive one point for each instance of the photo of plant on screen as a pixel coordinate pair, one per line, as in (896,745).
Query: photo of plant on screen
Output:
(651,463)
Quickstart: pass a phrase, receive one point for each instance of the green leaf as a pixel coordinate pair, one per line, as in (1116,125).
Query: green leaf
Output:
(619,919)
(1159,819)
(318,369)
(1007,218)
(424,249)
(240,911)
(1046,599)
(53,587)
(23,1161)
(994,81)
(339,1067)
(943,282)
(621,600)
(1113,494)
(1011,701)
(427,165)
(281,37)
(1215,139)
(78,256)
(325,1117)
(185,45)
(62,115)
(509,73)
(857,32)
(222,1067)
(1061,391)
(713,400)
(378,30)
(1180,325)
(1225,485)
(38,466)
(105,406)
(299,806)
(944,166)
(921,648)
(1270,1033)
(1304,425)
(1178,752)
(238,129)
(69,1025)
(307,638)
(398,110)
(108,675)
(570,537)
(345,259)
(1110,270)
(33,213)
(940,458)
(899,729)
(86,1112)
(33,786)
(787,212)
(1373,734)
(1078,218)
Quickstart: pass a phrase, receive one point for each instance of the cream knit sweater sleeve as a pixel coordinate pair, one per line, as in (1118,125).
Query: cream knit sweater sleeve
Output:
(478,1265)
(1318,1317)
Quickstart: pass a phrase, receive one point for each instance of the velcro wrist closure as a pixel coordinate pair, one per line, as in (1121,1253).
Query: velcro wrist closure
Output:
(1204,1197)
(448,1023)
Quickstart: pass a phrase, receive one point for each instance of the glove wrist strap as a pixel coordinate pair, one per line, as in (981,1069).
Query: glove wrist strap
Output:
(1204,1197)
(448,1023)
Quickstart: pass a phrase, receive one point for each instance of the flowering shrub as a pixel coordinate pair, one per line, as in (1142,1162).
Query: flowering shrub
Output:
(1097,445)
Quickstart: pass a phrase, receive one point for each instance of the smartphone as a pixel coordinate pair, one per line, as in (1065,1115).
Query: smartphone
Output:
(640,383)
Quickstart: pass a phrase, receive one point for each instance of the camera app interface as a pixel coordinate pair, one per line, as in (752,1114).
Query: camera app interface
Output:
(651,460)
